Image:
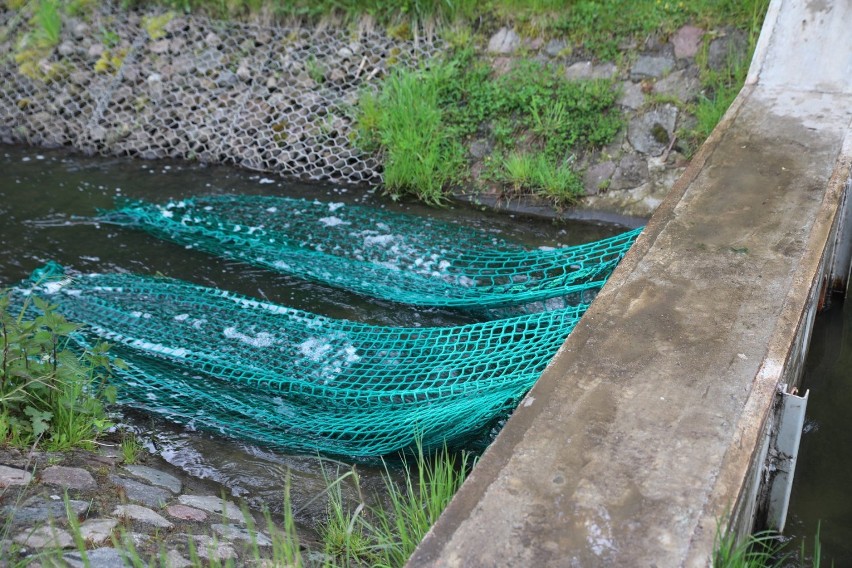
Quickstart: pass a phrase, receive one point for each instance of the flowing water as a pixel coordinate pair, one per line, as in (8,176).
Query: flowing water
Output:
(47,199)
(822,488)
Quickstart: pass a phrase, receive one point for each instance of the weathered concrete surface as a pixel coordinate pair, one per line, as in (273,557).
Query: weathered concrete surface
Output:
(640,436)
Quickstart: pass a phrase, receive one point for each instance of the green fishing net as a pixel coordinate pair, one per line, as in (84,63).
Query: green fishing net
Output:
(382,254)
(300,381)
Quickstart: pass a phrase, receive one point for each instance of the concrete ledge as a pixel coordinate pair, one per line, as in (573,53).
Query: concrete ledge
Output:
(648,427)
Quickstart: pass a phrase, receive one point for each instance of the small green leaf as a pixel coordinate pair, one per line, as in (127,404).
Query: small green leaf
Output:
(110,394)
(41,304)
(40,420)
(64,328)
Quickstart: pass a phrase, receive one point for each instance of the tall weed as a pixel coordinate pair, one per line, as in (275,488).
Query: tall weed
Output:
(49,393)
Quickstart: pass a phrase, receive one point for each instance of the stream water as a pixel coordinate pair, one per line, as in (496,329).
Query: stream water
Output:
(45,200)
(822,496)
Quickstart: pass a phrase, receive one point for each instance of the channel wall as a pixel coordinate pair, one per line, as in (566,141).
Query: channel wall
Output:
(652,427)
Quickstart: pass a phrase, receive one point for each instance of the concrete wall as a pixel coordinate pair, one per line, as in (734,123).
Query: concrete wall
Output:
(650,426)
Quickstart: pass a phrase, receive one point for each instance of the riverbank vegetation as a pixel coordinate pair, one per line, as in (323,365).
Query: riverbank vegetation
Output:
(50,395)
(764,550)
(599,26)
(421,122)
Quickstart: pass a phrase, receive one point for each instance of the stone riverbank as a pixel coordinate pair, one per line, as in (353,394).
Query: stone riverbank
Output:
(151,508)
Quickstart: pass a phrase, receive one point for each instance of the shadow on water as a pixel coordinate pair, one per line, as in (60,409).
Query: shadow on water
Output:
(822,494)
(43,196)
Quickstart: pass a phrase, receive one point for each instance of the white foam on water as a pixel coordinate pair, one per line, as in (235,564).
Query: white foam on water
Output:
(314,349)
(260,340)
(381,240)
(332,221)
(334,206)
(389,266)
(156,347)
(54,287)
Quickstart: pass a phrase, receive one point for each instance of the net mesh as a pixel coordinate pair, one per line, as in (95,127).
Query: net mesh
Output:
(382,254)
(300,381)
(275,99)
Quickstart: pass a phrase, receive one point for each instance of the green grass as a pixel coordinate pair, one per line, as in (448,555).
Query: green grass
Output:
(720,87)
(420,119)
(50,396)
(406,123)
(763,550)
(757,551)
(379,536)
(556,182)
(386,12)
(597,27)
(344,533)
(386,535)
(416,505)
(600,27)
(130,447)
(48,23)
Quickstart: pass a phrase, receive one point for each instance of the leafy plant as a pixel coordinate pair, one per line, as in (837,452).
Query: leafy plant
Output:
(49,393)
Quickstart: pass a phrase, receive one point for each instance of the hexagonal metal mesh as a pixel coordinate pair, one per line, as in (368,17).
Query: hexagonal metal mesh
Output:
(278,100)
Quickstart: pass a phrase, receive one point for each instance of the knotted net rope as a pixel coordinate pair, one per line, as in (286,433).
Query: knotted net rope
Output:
(300,381)
(382,254)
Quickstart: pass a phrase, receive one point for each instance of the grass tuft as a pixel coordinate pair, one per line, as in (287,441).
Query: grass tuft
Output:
(406,122)
(416,505)
(757,551)
(130,447)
